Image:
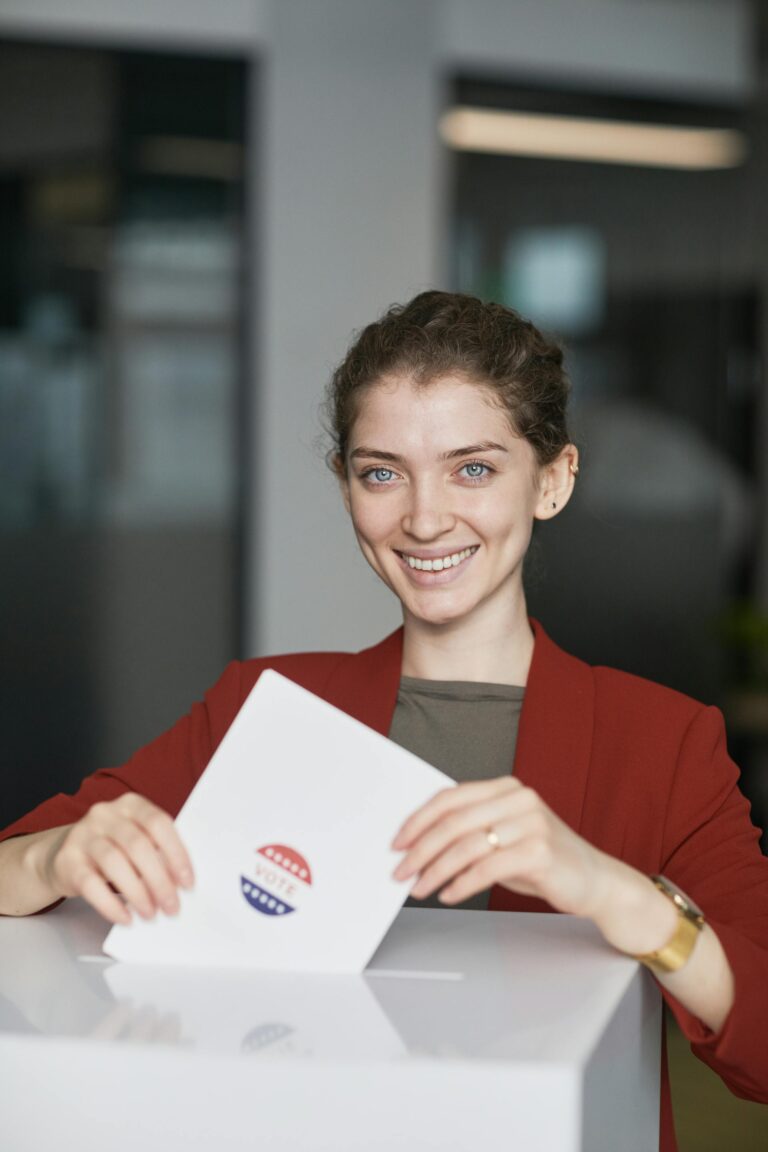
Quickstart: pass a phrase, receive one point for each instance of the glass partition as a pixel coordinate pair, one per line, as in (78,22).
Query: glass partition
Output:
(121,364)
(591,214)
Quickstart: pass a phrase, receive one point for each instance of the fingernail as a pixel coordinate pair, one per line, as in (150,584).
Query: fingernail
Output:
(170,907)
(186,877)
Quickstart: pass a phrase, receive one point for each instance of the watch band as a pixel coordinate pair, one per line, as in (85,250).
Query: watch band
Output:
(674,954)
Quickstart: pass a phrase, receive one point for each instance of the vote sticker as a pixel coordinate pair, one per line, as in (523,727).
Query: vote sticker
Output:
(280,880)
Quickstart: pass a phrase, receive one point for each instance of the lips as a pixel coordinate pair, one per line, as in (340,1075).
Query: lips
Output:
(438,563)
(442,568)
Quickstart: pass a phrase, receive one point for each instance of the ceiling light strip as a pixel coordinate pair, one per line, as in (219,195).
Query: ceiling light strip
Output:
(597,141)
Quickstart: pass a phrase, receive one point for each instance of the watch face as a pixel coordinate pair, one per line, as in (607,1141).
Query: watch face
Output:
(683,902)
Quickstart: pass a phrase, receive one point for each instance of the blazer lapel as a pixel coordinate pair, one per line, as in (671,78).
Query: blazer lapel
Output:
(555,733)
(554,740)
(554,737)
(554,744)
(365,684)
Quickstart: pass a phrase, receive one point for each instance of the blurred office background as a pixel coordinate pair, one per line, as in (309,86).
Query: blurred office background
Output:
(199,202)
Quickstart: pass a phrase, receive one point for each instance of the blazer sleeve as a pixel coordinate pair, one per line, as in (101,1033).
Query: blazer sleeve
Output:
(711,849)
(164,771)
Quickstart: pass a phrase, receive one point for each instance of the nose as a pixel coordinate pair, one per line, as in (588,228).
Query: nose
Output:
(427,514)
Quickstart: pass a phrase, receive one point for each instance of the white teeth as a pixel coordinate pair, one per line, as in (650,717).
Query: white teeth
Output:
(440,562)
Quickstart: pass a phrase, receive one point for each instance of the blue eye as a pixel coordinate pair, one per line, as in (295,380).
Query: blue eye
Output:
(475,470)
(379,475)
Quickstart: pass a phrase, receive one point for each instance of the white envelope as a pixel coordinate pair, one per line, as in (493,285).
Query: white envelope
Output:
(289,830)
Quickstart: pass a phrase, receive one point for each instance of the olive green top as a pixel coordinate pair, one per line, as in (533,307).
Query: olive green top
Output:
(466,729)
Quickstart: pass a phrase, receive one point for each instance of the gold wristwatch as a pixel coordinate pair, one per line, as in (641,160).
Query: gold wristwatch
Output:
(689,924)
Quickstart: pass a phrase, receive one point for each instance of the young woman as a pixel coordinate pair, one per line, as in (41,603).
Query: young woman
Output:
(582,790)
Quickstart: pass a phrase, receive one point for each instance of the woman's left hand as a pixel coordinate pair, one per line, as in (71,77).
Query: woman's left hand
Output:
(447,844)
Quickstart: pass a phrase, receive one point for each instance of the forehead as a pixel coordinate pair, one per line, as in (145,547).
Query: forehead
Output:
(446,409)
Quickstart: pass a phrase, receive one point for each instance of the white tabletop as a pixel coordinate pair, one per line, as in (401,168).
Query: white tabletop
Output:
(467,1027)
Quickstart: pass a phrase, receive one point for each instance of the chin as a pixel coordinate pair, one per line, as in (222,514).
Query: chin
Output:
(438,614)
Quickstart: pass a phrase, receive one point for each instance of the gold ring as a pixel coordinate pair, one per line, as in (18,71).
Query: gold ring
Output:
(492,837)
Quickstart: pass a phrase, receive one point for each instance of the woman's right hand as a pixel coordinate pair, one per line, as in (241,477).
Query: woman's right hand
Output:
(127,846)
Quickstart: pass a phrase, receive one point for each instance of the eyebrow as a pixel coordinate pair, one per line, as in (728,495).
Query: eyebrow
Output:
(364,453)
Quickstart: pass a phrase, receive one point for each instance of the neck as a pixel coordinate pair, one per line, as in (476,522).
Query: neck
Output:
(479,650)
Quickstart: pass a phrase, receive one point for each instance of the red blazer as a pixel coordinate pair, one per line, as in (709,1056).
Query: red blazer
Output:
(638,770)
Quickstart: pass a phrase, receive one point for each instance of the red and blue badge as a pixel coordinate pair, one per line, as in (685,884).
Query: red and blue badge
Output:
(279,882)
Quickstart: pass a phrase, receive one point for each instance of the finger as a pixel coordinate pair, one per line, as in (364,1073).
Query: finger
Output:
(148,864)
(455,860)
(514,866)
(446,801)
(161,830)
(115,866)
(463,853)
(95,890)
(459,822)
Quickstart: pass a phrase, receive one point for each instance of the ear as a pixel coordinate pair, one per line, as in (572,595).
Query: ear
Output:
(556,483)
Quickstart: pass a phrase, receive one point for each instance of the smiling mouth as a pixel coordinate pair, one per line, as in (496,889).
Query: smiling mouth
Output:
(438,563)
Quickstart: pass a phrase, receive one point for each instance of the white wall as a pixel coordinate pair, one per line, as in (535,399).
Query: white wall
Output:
(698,47)
(215,25)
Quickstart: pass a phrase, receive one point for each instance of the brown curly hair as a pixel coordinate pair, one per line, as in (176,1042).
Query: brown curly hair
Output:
(445,333)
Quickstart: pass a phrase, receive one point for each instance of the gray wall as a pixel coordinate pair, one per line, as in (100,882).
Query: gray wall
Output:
(350,225)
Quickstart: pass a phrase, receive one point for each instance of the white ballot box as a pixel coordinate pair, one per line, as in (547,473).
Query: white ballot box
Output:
(467,1031)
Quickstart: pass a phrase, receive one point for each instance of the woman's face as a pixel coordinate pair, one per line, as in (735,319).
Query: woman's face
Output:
(442,495)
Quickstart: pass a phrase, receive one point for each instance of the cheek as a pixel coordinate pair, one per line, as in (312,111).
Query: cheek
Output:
(371,516)
(510,518)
